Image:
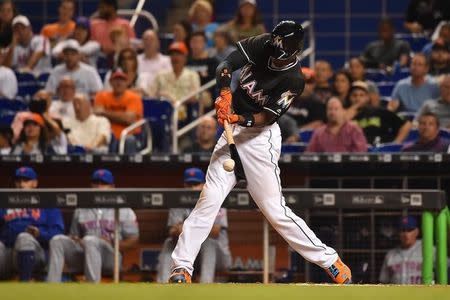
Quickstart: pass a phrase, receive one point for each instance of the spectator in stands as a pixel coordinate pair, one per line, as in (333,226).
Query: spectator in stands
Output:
(422,16)
(410,93)
(205,133)
(440,59)
(182,31)
(308,110)
(246,23)
(25,232)
(120,41)
(63,106)
(6,136)
(152,61)
(7,13)
(128,63)
(86,78)
(64,27)
(28,52)
(178,83)
(121,107)
(89,49)
(443,36)
(89,247)
(214,252)
(429,139)
(342,83)
(358,72)
(440,106)
(200,14)
(403,265)
(33,138)
(323,74)
(107,21)
(338,134)
(386,51)
(8,80)
(199,59)
(379,124)
(86,129)
(223,45)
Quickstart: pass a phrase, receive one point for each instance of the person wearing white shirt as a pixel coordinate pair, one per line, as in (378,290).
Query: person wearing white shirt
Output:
(63,107)
(87,81)
(152,62)
(87,129)
(28,52)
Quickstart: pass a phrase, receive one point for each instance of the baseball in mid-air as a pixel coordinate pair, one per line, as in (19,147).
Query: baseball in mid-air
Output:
(228,165)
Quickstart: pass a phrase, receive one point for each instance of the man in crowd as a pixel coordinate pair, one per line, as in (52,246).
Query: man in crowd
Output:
(25,232)
(440,106)
(429,139)
(440,59)
(214,253)
(107,21)
(28,52)
(86,129)
(403,265)
(205,136)
(323,74)
(338,134)
(384,52)
(63,106)
(89,247)
(152,61)
(86,78)
(410,93)
(64,27)
(121,107)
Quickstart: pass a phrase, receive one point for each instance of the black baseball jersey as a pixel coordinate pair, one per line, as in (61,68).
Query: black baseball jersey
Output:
(262,87)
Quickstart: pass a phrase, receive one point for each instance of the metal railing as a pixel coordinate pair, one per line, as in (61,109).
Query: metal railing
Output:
(148,134)
(178,132)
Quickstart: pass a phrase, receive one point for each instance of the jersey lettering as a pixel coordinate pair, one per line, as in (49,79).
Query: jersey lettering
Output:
(249,87)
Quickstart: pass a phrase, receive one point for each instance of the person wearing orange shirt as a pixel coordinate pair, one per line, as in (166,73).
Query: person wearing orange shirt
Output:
(64,27)
(121,107)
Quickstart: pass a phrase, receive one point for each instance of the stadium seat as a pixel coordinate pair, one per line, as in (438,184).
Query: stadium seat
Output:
(42,80)
(386,148)
(412,136)
(28,85)
(75,149)
(407,115)
(377,75)
(385,88)
(305,135)
(444,133)
(401,74)
(293,148)
(159,114)
(9,108)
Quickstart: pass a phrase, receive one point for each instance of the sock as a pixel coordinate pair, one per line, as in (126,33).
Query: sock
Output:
(26,264)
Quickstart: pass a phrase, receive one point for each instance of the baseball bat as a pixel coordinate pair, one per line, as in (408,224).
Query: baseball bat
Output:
(238,168)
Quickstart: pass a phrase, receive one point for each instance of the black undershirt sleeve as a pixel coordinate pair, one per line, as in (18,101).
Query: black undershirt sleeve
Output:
(233,62)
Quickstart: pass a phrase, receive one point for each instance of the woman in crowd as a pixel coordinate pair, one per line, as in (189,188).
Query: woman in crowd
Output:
(200,14)
(247,22)
(341,86)
(182,31)
(358,72)
(7,13)
(33,138)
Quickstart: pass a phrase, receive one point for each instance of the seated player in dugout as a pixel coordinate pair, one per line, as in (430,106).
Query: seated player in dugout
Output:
(89,246)
(25,232)
(269,82)
(214,253)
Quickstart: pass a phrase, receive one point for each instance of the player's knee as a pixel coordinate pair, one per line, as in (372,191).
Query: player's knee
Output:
(90,241)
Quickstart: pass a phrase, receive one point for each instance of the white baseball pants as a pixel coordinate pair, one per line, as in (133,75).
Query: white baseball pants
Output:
(259,149)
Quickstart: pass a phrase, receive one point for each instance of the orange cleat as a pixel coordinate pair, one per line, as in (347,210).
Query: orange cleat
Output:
(180,275)
(339,272)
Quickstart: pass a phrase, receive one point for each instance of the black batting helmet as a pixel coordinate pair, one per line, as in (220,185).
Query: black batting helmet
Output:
(287,39)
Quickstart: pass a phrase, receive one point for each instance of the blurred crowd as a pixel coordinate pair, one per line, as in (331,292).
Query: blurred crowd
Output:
(96,77)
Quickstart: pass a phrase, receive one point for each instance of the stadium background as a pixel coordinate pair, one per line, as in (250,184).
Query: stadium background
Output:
(342,29)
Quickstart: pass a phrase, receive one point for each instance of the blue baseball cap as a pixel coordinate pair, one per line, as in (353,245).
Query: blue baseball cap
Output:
(26,173)
(103,175)
(194,175)
(408,223)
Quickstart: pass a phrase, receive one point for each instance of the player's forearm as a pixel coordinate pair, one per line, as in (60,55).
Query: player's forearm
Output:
(233,62)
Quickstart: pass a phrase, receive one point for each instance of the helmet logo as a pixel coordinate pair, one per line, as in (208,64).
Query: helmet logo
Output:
(278,42)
